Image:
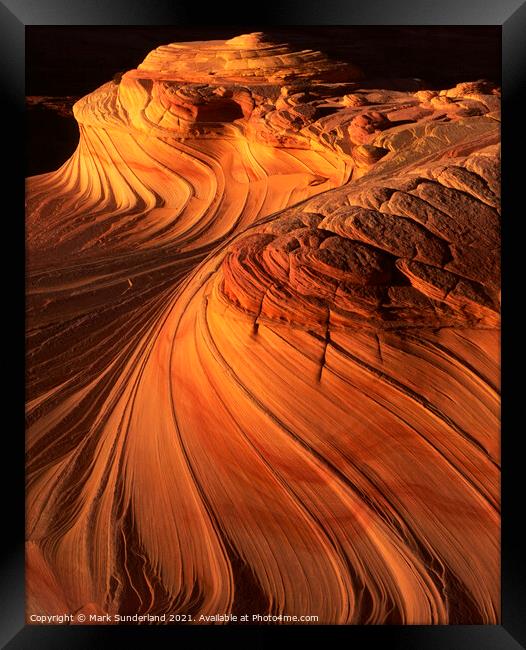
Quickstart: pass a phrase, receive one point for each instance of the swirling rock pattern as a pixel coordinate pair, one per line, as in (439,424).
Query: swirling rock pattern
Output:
(263,345)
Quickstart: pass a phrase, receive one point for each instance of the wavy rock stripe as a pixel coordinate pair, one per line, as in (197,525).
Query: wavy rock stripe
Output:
(243,397)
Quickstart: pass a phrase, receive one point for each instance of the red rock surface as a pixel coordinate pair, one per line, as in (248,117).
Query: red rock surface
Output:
(263,345)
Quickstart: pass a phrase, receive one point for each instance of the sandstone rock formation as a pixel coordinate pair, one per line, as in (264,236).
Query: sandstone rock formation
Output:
(263,345)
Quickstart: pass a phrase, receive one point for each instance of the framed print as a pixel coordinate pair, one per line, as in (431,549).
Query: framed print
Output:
(262,325)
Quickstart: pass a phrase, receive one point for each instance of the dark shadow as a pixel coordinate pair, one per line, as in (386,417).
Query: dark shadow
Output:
(51,139)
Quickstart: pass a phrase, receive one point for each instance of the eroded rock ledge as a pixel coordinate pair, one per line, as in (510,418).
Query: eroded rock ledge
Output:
(419,249)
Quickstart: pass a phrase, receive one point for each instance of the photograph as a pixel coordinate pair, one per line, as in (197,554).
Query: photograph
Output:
(263,343)
(265,382)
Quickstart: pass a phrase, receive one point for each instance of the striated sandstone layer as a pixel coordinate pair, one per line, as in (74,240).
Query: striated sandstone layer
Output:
(263,345)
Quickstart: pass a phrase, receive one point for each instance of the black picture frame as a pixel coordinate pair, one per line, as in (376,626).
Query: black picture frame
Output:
(15,16)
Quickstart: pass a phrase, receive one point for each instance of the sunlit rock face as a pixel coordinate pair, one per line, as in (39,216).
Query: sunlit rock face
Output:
(263,345)
(189,148)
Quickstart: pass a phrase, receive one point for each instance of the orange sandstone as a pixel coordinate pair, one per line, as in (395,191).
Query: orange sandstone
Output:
(263,345)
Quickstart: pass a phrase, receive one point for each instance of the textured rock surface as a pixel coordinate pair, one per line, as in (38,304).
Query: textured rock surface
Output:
(263,345)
